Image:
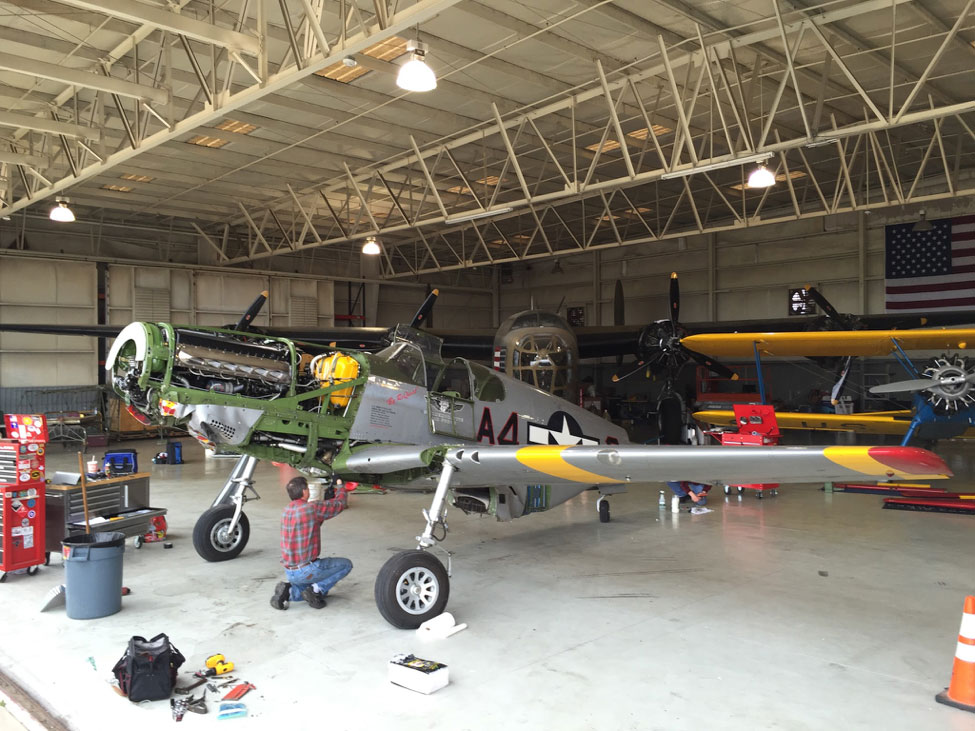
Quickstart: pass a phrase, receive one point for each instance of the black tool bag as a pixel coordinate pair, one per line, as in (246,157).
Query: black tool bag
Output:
(147,670)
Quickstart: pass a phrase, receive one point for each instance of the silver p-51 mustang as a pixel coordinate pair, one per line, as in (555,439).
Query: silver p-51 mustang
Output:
(404,416)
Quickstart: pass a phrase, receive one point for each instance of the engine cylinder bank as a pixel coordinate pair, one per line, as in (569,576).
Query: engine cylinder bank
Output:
(233,365)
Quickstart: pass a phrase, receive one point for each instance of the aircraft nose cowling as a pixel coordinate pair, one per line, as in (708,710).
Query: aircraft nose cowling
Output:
(911,460)
(136,334)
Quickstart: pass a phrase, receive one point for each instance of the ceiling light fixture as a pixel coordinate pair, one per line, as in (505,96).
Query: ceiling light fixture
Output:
(734,162)
(371,247)
(479,214)
(60,212)
(761,177)
(923,224)
(415,75)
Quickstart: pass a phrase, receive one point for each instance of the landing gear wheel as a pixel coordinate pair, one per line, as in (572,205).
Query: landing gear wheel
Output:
(3,578)
(411,588)
(211,539)
(604,511)
(740,489)
(759,494)
(727,489)
(137,542)
(31,570)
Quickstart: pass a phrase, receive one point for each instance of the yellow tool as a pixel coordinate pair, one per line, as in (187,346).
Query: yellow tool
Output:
(218,665)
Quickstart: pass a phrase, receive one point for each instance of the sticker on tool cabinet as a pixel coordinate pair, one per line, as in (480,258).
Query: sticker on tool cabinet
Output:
(26,531)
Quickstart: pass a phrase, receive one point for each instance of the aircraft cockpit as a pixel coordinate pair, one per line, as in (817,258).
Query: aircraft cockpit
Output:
(539,348)
(413,357)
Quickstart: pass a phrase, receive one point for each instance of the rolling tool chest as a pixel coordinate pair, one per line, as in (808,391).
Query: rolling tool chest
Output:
(22,507)
(21,527)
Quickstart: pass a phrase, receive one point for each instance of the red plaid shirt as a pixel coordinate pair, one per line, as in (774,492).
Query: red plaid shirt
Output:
(301,538)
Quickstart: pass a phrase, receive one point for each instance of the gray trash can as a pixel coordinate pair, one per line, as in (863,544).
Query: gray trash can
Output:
(93,574)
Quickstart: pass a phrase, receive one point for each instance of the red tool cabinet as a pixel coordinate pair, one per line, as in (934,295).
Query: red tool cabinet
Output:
(757,427)
(21,527)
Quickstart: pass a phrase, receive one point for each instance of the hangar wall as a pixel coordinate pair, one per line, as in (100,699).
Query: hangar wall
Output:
(731,275)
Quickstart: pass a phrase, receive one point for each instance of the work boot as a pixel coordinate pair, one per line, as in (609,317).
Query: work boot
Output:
(282,595)
(314,598)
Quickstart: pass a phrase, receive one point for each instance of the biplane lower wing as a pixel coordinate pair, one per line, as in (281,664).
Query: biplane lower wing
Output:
(895,423)
(625,463)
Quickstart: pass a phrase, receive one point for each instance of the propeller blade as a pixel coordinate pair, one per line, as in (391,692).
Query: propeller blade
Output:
(425,308)
(244,324)
(714,366)
(619,312)
(674,299)
(922,384)
(824,304)
(837,391)
(629,371)
(916,384)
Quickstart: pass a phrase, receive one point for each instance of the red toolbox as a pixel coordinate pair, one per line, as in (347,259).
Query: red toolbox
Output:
(21,462)
(21,527)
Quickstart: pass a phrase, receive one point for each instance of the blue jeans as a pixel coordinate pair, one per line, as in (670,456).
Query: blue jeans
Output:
(323,573)
(679,490)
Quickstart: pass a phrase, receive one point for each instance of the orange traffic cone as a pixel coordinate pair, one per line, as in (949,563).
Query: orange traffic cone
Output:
(961,692)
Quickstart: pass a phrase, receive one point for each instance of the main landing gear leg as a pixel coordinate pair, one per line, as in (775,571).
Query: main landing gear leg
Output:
(413,586)
(221,533)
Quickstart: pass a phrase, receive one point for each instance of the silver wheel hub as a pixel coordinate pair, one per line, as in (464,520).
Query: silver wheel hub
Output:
(417,590)
(222,539)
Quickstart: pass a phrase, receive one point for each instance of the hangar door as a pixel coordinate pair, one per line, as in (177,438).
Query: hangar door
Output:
(49,292)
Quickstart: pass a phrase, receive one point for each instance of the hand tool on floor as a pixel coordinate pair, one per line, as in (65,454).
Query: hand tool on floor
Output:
(188,688)
(215,665)
(197,705)
(239,691)
(178,706)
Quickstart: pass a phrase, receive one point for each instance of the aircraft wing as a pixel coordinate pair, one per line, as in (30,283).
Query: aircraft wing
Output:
(879,422)
(620,464)
(828,343)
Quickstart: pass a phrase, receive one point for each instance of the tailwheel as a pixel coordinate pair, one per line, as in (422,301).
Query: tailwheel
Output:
(411,588)
(212,537)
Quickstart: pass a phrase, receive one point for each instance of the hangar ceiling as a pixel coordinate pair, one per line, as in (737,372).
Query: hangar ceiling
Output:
(269,127)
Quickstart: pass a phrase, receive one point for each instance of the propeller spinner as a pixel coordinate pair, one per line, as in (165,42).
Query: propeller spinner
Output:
(661,350)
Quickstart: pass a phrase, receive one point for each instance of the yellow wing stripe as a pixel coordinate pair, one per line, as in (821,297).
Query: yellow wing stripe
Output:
(855,458)
(547,458)
(859,459)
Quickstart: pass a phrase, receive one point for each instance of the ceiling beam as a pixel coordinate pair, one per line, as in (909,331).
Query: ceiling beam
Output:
(23,121)
(355,43)
(85,79)
(136,12)
(19,158)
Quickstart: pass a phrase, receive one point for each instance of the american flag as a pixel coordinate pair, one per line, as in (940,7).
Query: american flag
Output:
(930,270)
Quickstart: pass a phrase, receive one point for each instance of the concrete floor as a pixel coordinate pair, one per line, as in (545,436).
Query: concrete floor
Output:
(804,611)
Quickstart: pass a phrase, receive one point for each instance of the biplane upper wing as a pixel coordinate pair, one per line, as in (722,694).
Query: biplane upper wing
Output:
(625,463)
(828,343)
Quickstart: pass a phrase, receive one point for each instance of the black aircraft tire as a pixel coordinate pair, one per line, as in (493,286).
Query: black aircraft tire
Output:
(670,421)
(411,588)
(604,512)
(210,538)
